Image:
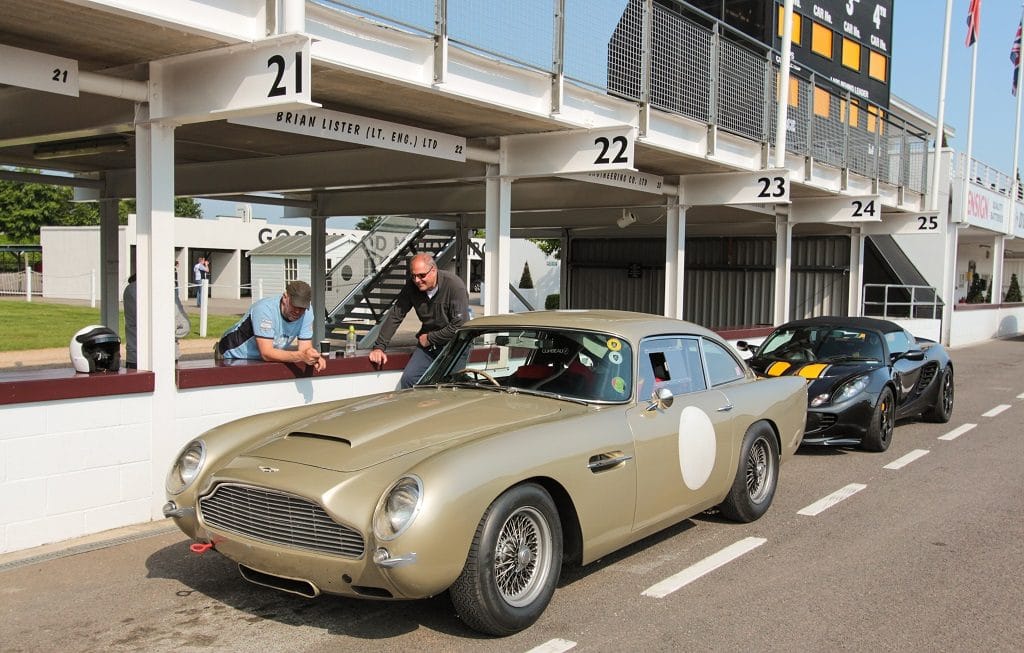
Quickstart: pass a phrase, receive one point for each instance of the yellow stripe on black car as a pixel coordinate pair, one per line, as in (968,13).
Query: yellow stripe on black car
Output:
(777,369)
(813,370)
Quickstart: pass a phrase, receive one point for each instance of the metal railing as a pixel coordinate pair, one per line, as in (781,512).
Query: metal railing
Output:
(891,300)
(662,59)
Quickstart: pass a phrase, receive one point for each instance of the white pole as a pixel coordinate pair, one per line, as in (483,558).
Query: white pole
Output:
(966,172)
(782,112)
(204,306)
(28,282)
(941,114)
(92,289)
(1016,130)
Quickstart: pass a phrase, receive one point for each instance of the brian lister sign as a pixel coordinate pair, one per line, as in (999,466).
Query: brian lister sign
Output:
(348,128)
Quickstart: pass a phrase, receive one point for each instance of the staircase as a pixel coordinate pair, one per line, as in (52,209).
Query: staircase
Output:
(367,281)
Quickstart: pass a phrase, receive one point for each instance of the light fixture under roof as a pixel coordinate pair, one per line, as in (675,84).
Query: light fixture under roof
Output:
(82,147)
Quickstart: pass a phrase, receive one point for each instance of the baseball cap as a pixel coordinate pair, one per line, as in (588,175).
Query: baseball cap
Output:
(299,293)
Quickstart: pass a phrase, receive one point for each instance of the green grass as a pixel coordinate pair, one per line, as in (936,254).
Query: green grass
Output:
(39,325)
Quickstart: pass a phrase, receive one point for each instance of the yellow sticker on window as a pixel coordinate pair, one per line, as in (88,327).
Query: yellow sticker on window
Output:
(614,344)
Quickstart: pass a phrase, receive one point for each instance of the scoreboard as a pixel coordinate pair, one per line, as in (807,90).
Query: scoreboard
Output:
(849,41)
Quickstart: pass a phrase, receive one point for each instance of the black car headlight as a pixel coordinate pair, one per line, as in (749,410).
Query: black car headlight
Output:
(848,390)
(397,508)
(186,467)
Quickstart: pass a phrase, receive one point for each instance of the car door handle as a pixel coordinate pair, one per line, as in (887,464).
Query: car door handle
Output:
(603,461)
(725,409)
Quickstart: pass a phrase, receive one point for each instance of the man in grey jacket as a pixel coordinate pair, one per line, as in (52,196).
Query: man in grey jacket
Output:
(442,305)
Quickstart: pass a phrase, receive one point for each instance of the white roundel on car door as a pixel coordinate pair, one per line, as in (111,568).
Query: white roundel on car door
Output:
(697,447)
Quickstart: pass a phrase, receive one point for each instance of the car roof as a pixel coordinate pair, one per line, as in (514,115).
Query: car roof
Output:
(630,325)
(866,323)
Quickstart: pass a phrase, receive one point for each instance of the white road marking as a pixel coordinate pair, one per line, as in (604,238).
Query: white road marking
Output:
(1020,396)
(907,459)
(705,566)
(995,411)
(554,646)
(823,504)
(957,432)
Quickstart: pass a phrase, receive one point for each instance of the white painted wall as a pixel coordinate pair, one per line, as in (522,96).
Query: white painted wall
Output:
(972,327)
(71,261)
(78,467)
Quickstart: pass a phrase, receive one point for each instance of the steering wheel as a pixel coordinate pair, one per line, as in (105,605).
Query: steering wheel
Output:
(478,373)
(799,354)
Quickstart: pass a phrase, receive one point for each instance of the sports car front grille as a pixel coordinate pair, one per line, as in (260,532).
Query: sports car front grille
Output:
(819,422)
(278,518)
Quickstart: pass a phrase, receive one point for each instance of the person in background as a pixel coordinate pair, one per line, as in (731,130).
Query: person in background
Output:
(442,305)
(130,324)
(200,271)
(182,325)
(271,326)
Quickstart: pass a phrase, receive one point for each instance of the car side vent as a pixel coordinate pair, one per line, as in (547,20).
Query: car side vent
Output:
(928,373)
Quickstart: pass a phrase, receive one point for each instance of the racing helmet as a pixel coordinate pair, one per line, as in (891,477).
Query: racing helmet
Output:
(95,348)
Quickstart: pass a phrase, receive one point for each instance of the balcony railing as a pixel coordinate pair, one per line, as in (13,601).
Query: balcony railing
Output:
(650,54)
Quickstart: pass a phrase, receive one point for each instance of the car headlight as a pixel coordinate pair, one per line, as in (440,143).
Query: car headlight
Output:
(848,390)
(186,467)
(398,507)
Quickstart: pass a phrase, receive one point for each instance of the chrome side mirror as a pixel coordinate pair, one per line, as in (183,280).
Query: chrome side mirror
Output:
(660,399)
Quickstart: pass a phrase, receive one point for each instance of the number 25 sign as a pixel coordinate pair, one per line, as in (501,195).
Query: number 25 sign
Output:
(236,80)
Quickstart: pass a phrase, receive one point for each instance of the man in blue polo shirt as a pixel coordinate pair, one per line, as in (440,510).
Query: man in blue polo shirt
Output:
(271,326)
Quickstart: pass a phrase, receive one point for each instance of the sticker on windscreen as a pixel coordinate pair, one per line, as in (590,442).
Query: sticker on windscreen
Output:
(619,385)
(614,357)
(614,344)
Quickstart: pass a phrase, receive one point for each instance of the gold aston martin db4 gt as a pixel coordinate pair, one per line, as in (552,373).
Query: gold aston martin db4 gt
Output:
(534,439)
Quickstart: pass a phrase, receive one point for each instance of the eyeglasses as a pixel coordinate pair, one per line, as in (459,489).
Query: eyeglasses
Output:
(422,275)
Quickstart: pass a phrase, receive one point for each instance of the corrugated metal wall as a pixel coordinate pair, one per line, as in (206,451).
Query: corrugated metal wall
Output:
(729,282)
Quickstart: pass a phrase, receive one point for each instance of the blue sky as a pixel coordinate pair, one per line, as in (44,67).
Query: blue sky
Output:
(917,57)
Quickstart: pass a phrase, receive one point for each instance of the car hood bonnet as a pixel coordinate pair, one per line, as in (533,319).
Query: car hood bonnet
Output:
(369,431)
(812,371)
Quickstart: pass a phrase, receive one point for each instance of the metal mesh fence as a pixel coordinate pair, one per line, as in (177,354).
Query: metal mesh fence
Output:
(625,75)
(591,30)
(680,66)
(521,31)
(741,90)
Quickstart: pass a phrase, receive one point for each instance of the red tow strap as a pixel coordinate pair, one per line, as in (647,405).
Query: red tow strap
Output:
(199,548)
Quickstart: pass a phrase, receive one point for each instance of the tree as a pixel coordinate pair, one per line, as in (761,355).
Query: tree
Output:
(184,207)
(369,222)
(526,281)
(976,294)
(25,207)
(1013,292)
(550,246)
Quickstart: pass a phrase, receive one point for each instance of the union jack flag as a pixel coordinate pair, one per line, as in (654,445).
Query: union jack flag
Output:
(973,22)
(1015,55)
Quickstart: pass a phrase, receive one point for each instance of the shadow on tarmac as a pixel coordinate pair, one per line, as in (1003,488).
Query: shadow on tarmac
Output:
(215,577)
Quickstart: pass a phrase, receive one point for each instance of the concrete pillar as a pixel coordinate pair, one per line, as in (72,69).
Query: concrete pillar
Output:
(783,264)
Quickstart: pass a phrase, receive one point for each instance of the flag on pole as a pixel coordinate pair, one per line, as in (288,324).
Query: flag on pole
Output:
(973,22)
(1015,56)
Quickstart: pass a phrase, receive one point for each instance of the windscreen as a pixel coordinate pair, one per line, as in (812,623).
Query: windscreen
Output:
(581,365)
(824,344)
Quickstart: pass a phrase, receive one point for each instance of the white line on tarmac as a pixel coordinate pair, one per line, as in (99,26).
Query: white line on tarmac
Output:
(1020,396)
(903,461)
(823,504)
(995,411)
(957,432)
(554,646)
(705,566)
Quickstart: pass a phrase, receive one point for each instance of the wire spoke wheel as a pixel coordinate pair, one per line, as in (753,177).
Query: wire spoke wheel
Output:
(759,470)
(520,556)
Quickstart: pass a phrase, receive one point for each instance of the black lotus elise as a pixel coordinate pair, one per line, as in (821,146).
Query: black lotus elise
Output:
(863,374)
